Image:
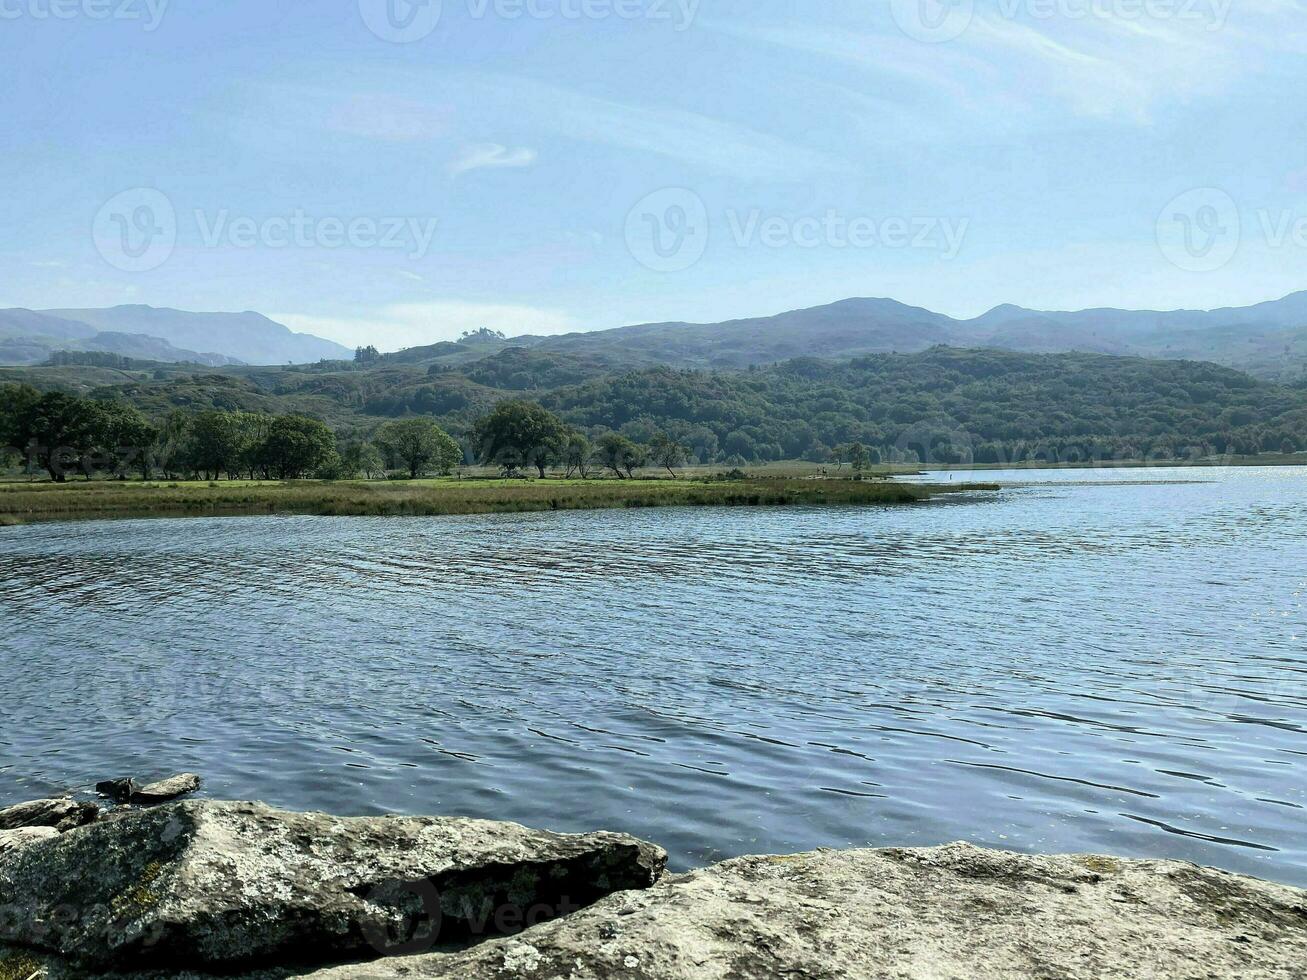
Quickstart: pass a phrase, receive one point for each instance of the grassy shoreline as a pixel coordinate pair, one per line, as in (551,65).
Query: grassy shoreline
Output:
(22,503)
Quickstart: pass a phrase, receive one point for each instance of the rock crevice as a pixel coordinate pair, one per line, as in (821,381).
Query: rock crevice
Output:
(200,889)
(242,884)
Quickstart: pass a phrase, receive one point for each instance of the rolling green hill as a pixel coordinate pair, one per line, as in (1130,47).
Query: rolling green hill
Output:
(987,405)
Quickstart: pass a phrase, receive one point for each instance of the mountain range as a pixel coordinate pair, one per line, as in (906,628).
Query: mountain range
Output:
(1268,340)
(150,334)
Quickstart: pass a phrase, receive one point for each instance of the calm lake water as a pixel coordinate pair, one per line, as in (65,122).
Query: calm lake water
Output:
(1074,665)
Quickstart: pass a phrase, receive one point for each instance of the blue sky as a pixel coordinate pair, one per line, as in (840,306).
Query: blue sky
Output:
(397,174)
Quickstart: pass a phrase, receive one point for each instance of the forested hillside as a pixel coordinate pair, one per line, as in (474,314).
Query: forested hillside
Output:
(992,405)
(940,404)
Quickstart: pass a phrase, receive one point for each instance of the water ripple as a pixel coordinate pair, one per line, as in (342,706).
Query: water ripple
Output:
(1077,665)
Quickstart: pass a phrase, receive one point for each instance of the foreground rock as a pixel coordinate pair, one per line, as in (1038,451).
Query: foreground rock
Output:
(128,790)
(11,840)
(948,912)
(210,885)
(166,789)
(61,814)
(191,891)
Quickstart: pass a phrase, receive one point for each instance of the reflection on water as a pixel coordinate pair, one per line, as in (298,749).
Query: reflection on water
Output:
(1057,667)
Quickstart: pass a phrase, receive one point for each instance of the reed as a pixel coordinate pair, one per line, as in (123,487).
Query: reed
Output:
(34,502)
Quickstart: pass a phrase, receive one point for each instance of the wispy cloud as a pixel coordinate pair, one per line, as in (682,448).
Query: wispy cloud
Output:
(416,324)
(395,106)
(715,145)
(480,156)
(1020,62)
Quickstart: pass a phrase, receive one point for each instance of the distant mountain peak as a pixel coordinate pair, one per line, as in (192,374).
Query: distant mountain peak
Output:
(1249,338)
(1004,310)
(249,337)
(875,304)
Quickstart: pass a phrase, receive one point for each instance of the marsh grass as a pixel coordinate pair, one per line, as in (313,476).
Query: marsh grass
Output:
(32,502)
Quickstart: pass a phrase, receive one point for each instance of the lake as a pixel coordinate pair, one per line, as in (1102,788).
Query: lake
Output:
(1090,661)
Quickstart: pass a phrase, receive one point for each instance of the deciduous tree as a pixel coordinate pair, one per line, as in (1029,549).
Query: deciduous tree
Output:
(420,446)
(296,446)
(215,442)
(576,456)
(619,454)
(60,430)
(666,452)
(129,436)
(859,458)
(518,434)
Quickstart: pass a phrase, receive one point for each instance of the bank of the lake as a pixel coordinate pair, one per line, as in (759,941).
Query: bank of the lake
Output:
(22,503)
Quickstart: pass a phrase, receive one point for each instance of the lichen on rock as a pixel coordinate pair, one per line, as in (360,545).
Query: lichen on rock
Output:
(192,891)
(207,884)
(949,913)
(63,813)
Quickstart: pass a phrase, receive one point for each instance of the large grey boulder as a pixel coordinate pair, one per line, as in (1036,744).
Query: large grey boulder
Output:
(128,790)
(12,840)
(203,884)
(61,814)
(167,789)
(949,912)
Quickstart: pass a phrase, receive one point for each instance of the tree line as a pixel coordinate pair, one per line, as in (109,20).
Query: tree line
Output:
(949,406)
(66,435)
(939,406)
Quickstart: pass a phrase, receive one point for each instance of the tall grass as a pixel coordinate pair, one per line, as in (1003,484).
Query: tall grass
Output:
(23,502)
